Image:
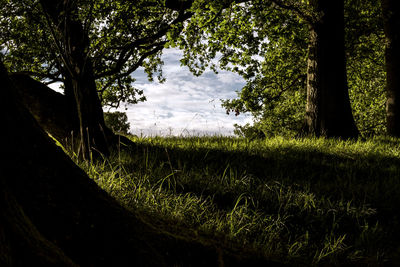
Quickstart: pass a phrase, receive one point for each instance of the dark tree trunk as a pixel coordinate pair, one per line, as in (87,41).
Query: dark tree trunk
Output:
(328,110)
(94,134)
(54,113)
(21,242)
(80,85)
(391,22)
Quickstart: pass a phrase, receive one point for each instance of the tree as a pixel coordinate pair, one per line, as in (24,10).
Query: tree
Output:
(277,111)
(79,82)
(117,121)
(391,22)
(276,95)
(92,47)
(242,32)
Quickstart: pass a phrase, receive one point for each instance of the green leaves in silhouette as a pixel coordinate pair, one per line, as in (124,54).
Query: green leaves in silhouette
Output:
(366,69)
(263,41)
(123,36)
(266,43)
(117,121)
(23,35)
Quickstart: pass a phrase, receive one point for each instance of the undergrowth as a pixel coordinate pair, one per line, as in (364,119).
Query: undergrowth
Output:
(297,201)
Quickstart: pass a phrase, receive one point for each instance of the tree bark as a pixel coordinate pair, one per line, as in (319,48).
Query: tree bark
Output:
(20,239)
(391,23)
(21,242)
(56,113)
(52,110)
(328,110)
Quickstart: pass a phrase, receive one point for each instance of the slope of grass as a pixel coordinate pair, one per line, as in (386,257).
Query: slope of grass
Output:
(308,201)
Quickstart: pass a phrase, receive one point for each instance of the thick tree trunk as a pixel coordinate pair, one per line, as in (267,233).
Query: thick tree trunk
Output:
(80,85)
(95,136)
(20,240)
(54,113)
(328,110)
(391,22)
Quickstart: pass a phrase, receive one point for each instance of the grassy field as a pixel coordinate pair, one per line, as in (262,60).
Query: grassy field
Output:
(296,201)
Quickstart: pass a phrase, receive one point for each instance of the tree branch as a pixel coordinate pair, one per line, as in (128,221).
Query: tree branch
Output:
(128,49)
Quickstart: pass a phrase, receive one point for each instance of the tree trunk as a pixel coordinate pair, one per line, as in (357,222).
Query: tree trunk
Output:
(54,113)
(20,240)
(328,110)
(391,23)
(80,85)
(95,136)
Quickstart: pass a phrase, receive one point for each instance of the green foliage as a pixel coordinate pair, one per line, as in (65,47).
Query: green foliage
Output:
(300,202)
(366,67)
(123,36)
(248,131)
(367,78)
(266,43)
(262,43)
(23,36)
(117,121)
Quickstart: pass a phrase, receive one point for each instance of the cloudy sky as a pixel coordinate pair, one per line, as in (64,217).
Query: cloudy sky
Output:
(184,104)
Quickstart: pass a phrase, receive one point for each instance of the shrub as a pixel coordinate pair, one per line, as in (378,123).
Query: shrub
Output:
(117,121)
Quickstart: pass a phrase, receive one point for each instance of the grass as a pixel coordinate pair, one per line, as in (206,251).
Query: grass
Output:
(296,201)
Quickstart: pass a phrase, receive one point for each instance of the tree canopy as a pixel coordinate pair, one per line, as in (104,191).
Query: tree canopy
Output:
(123,36)
(92,47)
(266,42)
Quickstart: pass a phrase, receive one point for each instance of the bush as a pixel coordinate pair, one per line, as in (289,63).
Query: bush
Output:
(117,121)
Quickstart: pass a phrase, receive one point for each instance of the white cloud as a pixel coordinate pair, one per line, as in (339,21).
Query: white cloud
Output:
(185,104)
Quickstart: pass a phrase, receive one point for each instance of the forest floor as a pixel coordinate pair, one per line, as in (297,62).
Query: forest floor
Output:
(293,201)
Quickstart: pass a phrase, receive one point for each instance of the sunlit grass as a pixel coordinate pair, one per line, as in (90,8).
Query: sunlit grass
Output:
(300,201)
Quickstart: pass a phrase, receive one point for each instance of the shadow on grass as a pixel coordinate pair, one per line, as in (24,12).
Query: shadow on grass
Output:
(365,180)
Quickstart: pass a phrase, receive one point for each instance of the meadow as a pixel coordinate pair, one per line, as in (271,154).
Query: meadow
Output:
(293,201)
